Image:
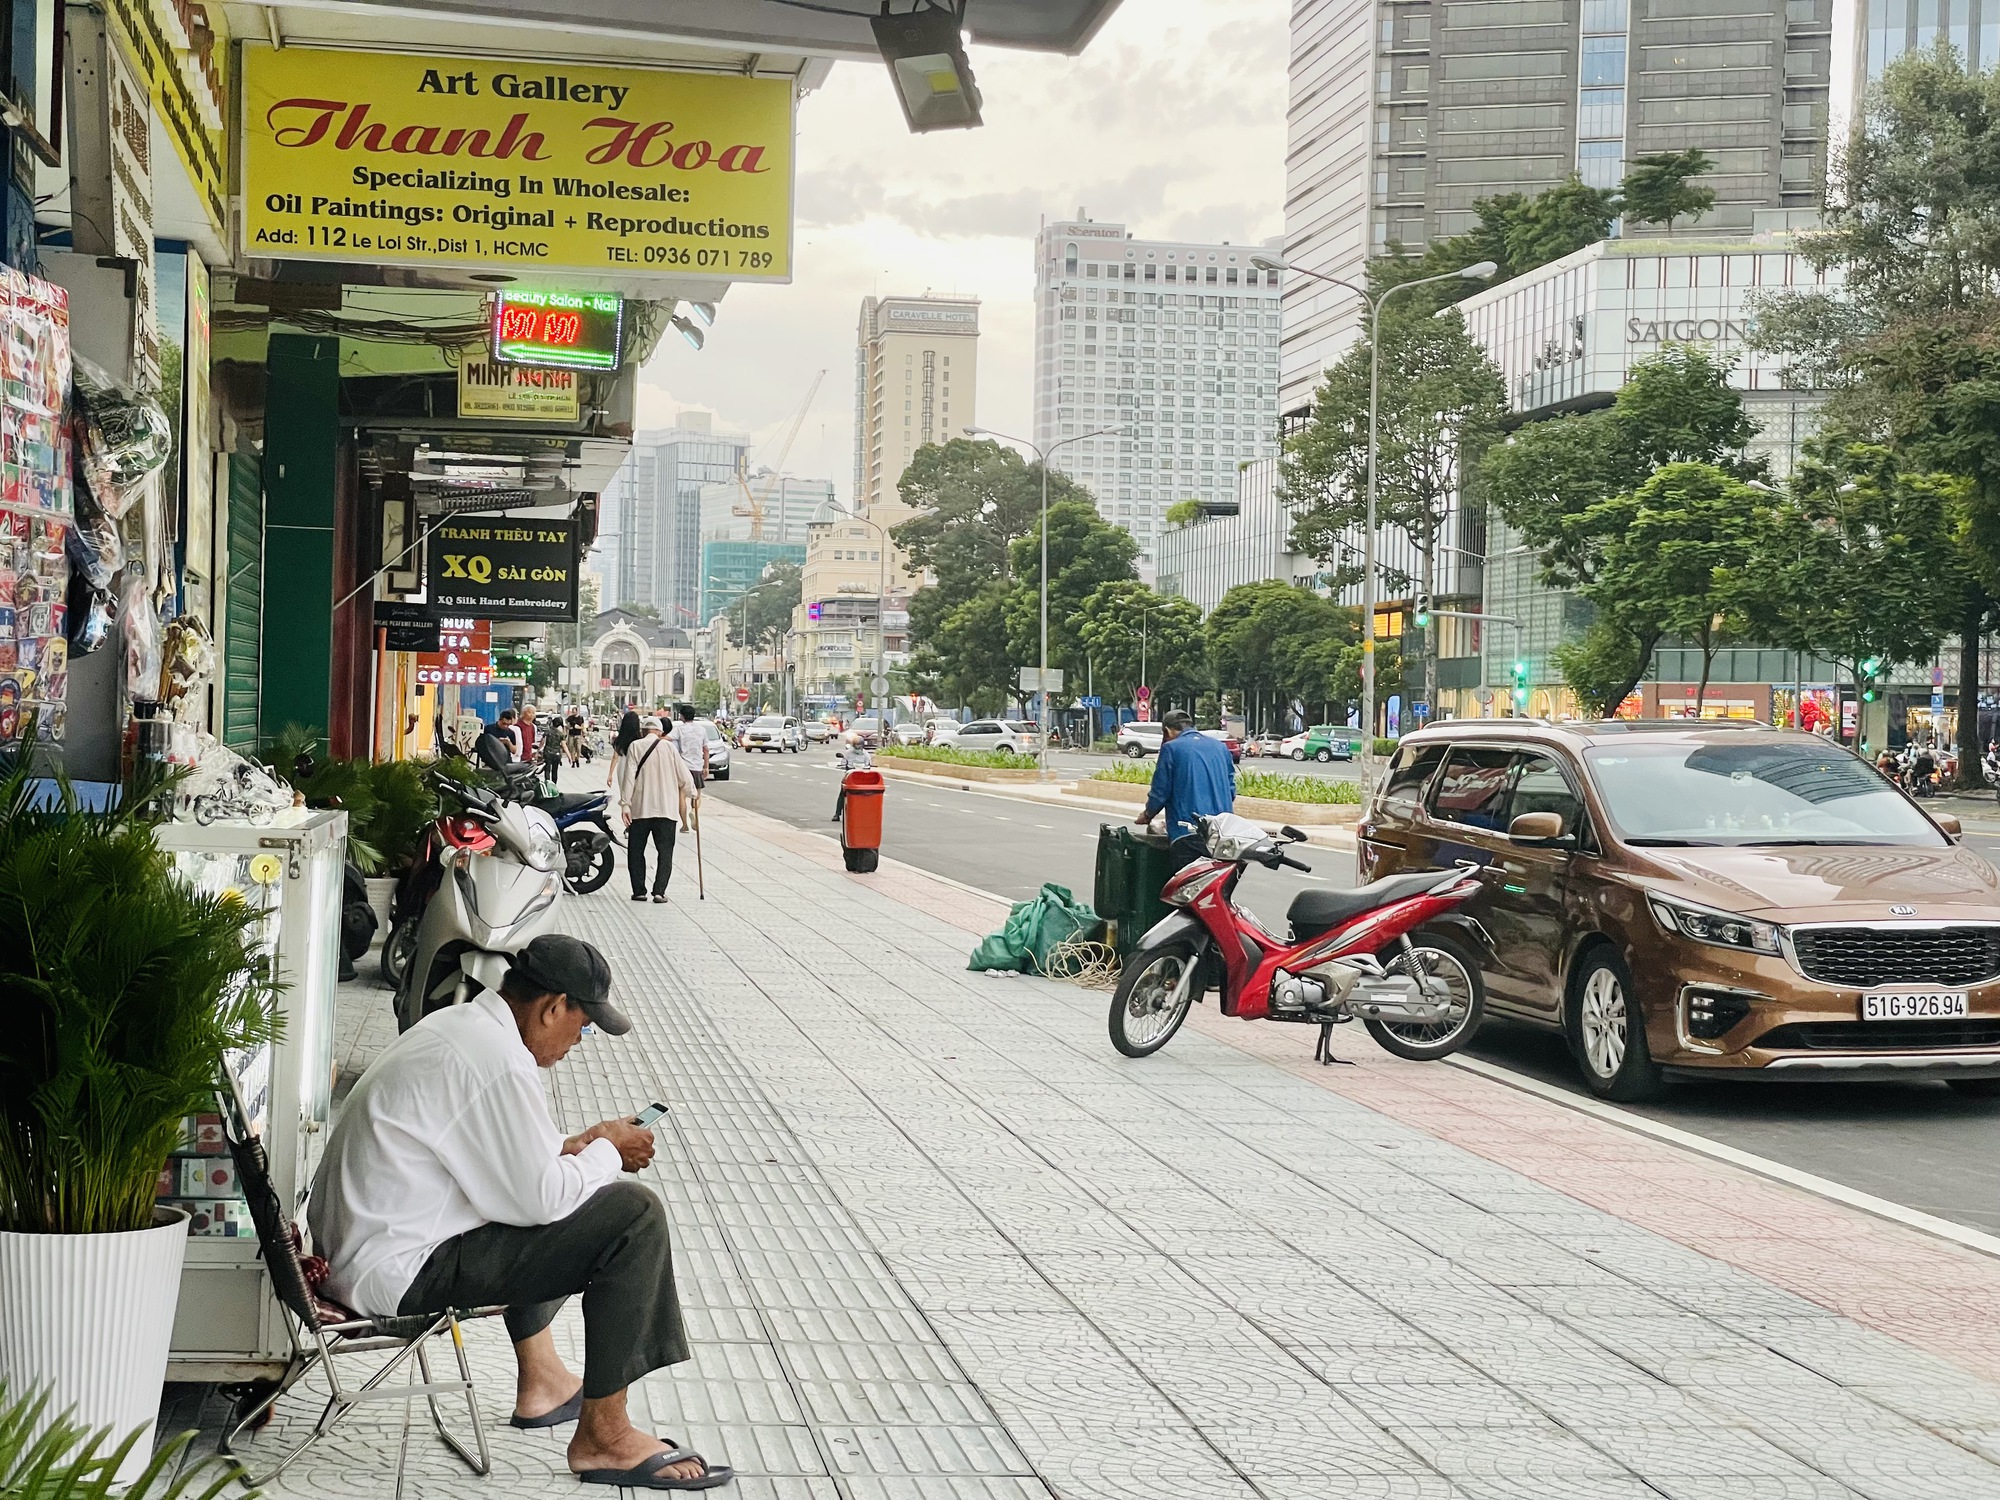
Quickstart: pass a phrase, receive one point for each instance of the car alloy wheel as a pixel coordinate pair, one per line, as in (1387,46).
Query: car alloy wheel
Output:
(1601,1021)
(1607,1030)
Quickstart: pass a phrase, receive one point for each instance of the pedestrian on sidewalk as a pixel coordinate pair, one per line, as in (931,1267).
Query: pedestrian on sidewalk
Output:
(1193,778)
(691,739)
(495,745)
(629,734)
(447,1184)
(656,790)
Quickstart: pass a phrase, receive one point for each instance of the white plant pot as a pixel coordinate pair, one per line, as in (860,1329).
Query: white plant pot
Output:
(88,1317)
(381,891)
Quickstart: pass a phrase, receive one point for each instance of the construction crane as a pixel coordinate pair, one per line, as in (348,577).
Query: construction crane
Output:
(754,504)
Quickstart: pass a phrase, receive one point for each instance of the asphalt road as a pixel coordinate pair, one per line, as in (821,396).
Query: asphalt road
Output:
(1917,1144)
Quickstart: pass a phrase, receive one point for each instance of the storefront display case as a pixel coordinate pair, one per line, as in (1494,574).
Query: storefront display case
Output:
(229,1326)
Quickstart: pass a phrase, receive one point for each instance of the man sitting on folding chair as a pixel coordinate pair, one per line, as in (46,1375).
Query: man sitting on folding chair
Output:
(446,1184)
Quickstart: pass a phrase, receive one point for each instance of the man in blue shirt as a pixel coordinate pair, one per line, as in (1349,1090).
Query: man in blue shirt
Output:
(1195,778)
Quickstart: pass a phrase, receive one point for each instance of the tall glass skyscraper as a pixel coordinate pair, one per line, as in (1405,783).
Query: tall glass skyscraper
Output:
(650,543)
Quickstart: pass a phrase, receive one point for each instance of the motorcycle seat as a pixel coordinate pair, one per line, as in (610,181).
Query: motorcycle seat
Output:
(1314,912)
(568,802)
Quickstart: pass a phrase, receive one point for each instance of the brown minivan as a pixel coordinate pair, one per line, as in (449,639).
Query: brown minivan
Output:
(1714,898)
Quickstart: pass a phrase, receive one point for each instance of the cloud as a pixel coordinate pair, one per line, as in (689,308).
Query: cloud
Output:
(1172,122)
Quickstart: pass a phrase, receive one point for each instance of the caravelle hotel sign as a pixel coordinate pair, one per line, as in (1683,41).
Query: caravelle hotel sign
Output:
(384,158)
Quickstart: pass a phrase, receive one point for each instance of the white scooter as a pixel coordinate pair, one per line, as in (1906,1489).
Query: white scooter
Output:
(487,906)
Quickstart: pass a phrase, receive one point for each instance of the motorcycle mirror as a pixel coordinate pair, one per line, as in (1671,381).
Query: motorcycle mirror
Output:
(1293,834)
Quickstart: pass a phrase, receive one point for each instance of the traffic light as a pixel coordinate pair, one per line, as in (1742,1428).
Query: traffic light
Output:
(1520,684)
(1423,611)
(1871,670)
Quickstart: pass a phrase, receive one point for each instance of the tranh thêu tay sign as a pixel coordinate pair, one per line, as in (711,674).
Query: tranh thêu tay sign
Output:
(385,158)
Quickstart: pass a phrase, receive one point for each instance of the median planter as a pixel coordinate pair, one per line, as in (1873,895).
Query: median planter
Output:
(941,770)
(1263,809)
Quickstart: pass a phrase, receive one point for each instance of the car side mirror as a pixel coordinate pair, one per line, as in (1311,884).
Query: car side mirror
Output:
(1538,830)
(1949,826)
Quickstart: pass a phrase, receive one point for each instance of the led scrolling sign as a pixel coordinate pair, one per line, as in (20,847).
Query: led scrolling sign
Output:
(568,330)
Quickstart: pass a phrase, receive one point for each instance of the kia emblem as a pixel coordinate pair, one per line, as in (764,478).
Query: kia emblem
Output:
(1902,911)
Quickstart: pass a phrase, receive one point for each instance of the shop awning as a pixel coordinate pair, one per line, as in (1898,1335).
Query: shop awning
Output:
(829,28)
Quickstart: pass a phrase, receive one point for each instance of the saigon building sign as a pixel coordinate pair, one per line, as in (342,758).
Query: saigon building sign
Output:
(392,159)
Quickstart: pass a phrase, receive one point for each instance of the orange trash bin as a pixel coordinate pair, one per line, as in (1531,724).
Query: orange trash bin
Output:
(861,794)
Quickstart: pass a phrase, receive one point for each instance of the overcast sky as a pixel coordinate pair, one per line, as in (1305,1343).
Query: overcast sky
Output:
(1172,123)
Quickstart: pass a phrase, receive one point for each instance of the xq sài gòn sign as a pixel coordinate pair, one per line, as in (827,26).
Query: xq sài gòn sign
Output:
(387,158)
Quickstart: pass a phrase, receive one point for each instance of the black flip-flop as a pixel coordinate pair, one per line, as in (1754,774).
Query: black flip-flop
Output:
(569,1411)
(647,1475)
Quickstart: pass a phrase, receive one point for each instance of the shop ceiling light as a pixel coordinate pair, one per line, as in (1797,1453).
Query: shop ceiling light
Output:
(926,58)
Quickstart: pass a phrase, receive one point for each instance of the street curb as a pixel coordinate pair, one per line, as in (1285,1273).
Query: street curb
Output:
(1758,1166)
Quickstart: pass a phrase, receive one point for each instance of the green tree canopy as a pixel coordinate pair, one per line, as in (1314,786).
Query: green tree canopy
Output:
(1910,343)
(1277,640)
(1656,189)
(1670,554)
(1130,634)
(761,618)
(1085,550)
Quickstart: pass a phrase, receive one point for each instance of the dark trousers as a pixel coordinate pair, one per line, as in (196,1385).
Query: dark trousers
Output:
(614,1251)
(661,831)
(1183,852)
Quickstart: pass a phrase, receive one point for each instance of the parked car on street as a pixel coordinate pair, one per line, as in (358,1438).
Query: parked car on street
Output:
(1727,901)
(1322,742)
(1235,745)
(1012,736)
(909,732)
(779,732)
(718,751)
(818,731)
(942,731)
(1140,737)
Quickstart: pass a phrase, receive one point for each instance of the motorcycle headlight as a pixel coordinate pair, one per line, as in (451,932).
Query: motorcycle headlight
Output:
(1720,929)
(545,850)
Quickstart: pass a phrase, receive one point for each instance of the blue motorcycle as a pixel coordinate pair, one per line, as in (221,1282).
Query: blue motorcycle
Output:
(581,818)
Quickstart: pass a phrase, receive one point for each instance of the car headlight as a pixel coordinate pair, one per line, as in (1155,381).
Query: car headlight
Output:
(1722,929)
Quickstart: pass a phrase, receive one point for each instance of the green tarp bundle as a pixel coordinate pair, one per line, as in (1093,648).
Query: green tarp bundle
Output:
(1035,929)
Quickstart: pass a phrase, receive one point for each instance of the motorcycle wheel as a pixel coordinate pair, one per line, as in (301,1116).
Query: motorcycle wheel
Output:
(593,875)
(1442,959)
(1144,1016)
(397,951)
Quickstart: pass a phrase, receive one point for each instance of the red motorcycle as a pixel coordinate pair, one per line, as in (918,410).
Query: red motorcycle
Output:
(1394,954)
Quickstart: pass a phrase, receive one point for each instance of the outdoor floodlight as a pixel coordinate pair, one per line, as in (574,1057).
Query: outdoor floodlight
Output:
(705,311)
(688,331)
(1266,263)
(926,59)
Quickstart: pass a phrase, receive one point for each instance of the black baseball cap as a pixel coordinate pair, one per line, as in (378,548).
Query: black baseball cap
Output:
(557,964)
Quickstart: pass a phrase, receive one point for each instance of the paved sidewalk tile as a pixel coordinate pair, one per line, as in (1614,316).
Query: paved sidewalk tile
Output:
(937,1240)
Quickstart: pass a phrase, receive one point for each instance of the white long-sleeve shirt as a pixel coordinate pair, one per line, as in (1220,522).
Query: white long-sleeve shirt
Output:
(448,1129)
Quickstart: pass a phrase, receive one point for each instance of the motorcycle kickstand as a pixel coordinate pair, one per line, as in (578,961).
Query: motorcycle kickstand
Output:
(1323,1053)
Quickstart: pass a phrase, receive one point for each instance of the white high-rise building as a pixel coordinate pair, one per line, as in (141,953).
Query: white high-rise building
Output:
(788,503)
(1175,344)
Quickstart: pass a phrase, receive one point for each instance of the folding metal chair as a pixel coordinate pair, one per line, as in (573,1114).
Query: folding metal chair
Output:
(321,1329)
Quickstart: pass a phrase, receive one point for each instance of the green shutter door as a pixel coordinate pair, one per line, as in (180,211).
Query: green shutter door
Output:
(244,634)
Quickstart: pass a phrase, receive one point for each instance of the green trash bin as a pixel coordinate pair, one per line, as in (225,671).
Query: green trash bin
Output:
(1132,865)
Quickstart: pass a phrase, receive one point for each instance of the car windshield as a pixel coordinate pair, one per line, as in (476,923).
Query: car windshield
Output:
(1753,791)
(768,721)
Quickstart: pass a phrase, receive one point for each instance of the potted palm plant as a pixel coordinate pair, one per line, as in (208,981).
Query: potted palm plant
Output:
(121,990)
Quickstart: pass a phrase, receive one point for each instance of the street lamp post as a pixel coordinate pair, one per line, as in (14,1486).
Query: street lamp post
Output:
(882,606)
(1042,458)
(1375,302)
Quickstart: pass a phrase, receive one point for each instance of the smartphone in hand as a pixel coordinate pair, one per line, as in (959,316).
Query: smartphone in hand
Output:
(645,1118)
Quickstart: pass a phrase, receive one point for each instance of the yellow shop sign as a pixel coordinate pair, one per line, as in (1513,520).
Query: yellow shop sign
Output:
(392,159)
(487,388)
